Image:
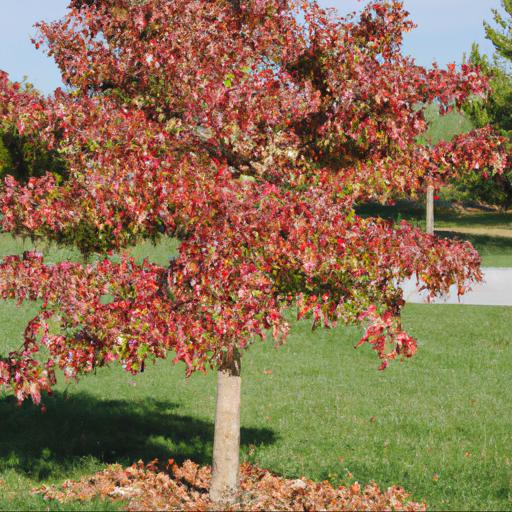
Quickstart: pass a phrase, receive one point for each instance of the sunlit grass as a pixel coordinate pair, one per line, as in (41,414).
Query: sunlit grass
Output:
(438,424)
(496,251)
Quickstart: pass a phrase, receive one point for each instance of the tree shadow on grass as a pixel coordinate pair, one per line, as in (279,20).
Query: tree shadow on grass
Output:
(490,219)
(414,211)
(483,243)
(405,210)
(82,428)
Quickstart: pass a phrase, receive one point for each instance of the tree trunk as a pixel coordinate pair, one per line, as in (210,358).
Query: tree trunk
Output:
(430,210)
(225,484)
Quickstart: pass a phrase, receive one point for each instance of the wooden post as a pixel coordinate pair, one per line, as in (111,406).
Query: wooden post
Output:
(430,209)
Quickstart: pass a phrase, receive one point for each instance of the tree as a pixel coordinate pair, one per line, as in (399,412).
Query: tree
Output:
(501,37)
(248,135)
(5,158)
(24,157)
(495,109)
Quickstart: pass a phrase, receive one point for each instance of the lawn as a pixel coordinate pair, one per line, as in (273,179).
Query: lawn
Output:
(444,127)
(438,424)
(490,232)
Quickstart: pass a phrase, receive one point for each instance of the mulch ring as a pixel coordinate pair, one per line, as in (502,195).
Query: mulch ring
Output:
(145,487)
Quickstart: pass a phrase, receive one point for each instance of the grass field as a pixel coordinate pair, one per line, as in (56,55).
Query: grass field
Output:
(438,424)
(444,127)
(490,232)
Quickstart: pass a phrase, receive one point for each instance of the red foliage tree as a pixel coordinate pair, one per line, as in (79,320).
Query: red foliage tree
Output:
(248,135)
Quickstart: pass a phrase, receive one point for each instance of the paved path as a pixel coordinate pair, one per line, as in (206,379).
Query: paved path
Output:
(496,290)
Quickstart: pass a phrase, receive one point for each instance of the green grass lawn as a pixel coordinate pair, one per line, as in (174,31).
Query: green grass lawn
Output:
(444,127)
(487,228)
(494,247)
(439,424)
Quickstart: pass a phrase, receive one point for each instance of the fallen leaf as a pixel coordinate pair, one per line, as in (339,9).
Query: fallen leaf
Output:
(142,487)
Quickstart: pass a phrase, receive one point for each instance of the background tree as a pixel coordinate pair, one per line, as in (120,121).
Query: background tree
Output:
(5,158)
(501,36)
(249,136)
(24,157)
(495,109)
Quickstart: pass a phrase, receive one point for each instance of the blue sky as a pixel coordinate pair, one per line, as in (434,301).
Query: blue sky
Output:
(446,29)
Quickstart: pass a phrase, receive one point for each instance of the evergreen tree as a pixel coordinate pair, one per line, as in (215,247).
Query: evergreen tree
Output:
(496,109)
(501,36)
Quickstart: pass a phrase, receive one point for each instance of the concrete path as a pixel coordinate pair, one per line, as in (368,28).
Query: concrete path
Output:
(496,290)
